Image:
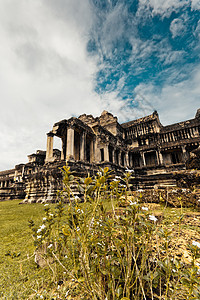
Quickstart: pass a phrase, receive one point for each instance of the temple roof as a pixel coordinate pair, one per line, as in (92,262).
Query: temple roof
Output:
(153,116)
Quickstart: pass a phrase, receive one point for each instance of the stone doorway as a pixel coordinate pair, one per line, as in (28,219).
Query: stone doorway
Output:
(150,158)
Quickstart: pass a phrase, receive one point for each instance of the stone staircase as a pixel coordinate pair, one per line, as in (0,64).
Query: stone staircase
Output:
(197,191)
(162,180)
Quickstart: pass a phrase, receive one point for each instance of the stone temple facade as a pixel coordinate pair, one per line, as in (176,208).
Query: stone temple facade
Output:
(152,150)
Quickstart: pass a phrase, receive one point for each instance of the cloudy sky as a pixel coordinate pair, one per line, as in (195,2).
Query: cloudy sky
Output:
(62,58)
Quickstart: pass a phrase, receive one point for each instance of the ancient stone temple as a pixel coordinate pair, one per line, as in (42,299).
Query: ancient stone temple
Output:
(144,145)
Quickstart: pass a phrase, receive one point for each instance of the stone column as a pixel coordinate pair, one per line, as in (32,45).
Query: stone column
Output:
(97,154)
(92,151)
(195,130)
(160,157)
(49,152)
(112,155)
(143,159)
(70,144)
(126,162)
(120,157)
(106,153)
(83,146)
(185,153)
(63,149)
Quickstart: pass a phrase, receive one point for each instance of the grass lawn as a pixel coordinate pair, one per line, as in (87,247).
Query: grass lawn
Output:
(18,273)
(20,278)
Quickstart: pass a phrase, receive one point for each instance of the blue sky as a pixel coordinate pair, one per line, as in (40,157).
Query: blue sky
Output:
(63,58)
(142,47)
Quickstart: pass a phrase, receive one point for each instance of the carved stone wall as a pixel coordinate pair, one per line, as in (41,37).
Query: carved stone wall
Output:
(88,142)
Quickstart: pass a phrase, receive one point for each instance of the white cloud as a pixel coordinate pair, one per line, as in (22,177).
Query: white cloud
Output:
(168,56)
(177,27)
(195,4)
(45,73)
(113,28)
(162,7)
(174,103)
(142,51)
(197,30)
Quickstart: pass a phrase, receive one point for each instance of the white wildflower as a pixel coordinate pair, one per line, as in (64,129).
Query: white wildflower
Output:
(67,293)
(128,170)
(197,244)
(50,246)
(145,208)
(198,266)
(41,228)
(115,179)
(91,223)
(41,297)
(66,256)
(44,219)
(173,270)
(132,203)
(76,197)
(123,185)
(51,215)
(152,218)
(39,237)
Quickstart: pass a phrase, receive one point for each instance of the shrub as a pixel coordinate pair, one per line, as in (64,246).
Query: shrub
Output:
(106,246)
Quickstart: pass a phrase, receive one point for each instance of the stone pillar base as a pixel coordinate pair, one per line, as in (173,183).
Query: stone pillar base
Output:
(70,158)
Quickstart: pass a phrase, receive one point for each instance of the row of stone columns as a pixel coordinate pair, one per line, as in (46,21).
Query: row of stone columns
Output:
(185,133)
(70,146)
(116,156)
(159,156)
(5,183)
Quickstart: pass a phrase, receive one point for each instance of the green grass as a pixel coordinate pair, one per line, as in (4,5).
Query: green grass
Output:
(18,273)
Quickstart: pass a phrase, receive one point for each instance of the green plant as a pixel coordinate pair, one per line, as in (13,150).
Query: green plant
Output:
(108,246)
